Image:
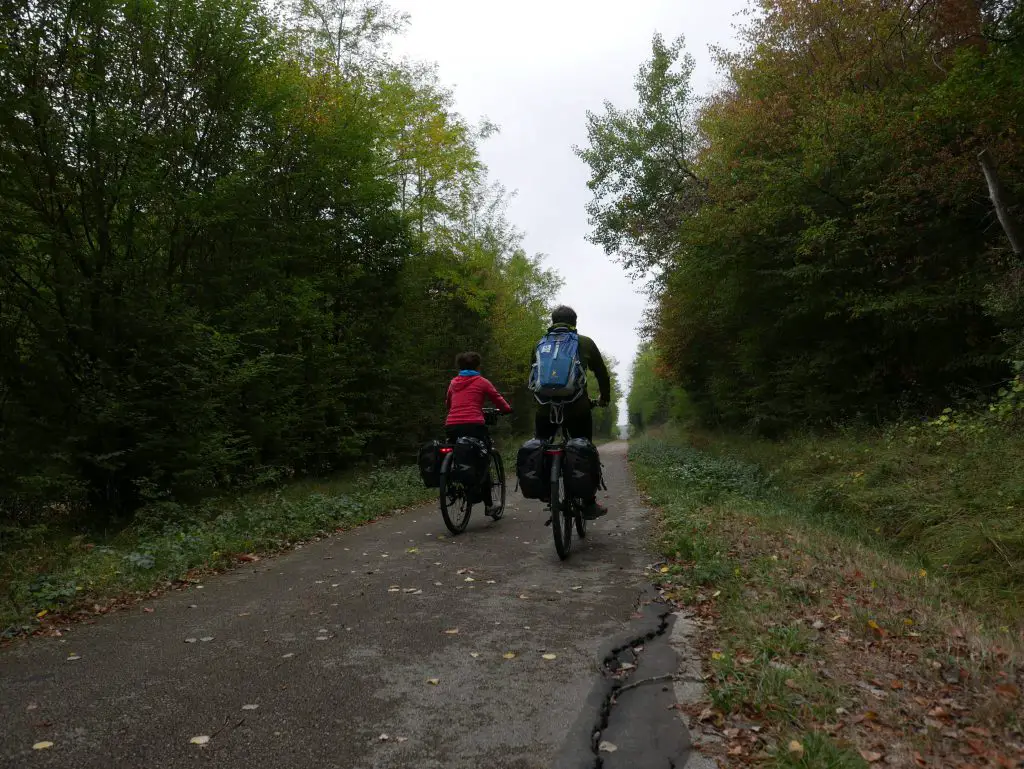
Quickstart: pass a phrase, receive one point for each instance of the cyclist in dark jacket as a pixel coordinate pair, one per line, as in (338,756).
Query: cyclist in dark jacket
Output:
(578,418)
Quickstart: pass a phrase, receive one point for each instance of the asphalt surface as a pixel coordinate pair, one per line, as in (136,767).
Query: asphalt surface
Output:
(342,647)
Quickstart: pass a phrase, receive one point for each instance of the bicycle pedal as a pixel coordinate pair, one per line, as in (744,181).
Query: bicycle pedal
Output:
(547,522)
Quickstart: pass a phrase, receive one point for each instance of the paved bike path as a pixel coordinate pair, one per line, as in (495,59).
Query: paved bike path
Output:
(343,648)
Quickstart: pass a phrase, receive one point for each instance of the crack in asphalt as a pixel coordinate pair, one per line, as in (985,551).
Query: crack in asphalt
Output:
(611,666)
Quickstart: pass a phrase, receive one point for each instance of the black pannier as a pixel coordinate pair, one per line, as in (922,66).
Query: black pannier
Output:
(533,471)
(582,469)
(469,465)
(429,462)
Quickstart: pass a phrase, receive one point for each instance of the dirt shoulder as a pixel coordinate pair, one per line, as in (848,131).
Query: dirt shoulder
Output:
(818,650)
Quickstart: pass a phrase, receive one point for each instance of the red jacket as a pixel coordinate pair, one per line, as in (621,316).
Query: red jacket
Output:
(465,400)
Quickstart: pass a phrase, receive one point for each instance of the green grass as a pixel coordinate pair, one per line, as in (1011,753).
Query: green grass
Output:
(44,569)
(946,496)
(790,554)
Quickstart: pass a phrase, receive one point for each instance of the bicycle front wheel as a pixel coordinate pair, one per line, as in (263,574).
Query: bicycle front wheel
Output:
(561,510)
(455,504)
(497,485)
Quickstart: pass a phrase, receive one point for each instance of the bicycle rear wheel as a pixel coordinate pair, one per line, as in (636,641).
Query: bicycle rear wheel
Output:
(455,504)
(561,510)
(497,484)
(581,522)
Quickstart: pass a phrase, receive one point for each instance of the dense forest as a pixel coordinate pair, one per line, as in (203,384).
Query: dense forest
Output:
(819,233)
(238,243)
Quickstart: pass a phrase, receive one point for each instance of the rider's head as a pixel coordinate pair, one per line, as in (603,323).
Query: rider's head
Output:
(563,315)
(468,361)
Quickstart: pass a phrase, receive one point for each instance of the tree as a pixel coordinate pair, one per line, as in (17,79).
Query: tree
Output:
(642,163)
(214,272)
(838,261)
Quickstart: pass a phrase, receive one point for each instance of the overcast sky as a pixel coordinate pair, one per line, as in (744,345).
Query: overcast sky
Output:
(535,67)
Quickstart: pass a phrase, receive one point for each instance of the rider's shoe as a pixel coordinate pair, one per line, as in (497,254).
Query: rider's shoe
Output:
(594,510)
(491,510)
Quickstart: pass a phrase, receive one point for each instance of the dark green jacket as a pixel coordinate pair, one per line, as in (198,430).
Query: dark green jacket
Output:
(591,359)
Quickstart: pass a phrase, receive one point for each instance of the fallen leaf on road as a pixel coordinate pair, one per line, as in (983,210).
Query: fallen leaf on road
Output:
(384,737)
(191,640)
(523,595)
(492,582)
(202,739)
(509,655)
(469,579)
(663,569)
(627,666)
(73,657)
(413,550)
(394,590)
(249,707)
(248,558)
(206,638)
(288,655)
(42,745)
(607,747)
(433,681)
(474,655)
(401,739)
(438,584)
(464,571)
(42,614)
(796,748)
(147,609)
(549,656)
(452,631)
(870,756)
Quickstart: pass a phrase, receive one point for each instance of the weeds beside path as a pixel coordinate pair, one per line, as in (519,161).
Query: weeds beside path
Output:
(47,574)
(821,651)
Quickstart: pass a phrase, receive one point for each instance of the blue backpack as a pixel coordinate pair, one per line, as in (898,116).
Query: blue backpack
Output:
(558,373)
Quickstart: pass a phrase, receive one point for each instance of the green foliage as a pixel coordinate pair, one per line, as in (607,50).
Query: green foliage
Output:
(653,399)
(236,249)
(824,242)
(606,420)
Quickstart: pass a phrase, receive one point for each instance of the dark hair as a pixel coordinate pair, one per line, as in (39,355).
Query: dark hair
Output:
(563,314)
(468,361)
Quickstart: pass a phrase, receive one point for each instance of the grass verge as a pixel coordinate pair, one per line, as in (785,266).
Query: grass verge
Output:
(820,650)
(45,574)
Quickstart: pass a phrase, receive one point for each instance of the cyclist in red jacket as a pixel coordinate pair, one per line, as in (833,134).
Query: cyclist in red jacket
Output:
(465,403)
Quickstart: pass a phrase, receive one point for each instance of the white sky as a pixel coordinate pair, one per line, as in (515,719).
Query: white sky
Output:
(535,67)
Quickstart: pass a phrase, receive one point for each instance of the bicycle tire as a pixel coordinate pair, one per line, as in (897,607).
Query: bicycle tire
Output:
(581,522)
(498,489)
(561,510)
(454,501)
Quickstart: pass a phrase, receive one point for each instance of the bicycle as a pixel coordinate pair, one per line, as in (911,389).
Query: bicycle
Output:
(566,512)
(456,500)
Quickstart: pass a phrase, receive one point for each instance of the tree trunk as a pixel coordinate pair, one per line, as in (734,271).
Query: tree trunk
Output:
(998,194)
